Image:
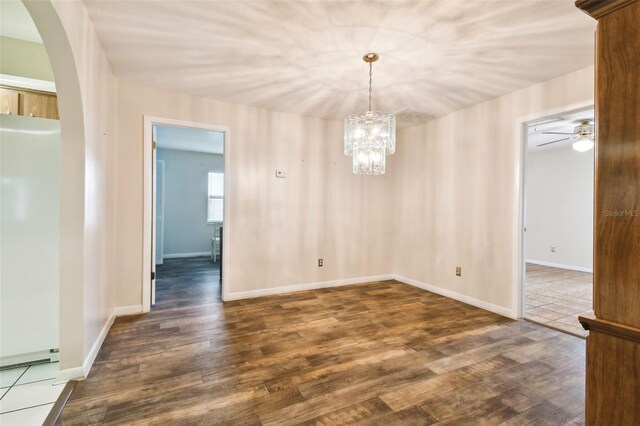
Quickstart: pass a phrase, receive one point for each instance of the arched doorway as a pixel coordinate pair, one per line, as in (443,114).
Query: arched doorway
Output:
(72,188)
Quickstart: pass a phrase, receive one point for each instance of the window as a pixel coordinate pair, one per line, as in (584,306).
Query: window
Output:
(215,204)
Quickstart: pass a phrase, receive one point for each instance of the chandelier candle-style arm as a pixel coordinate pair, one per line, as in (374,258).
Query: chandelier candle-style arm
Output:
(371,135)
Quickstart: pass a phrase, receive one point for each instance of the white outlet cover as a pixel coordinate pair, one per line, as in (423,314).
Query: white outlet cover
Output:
(281,174)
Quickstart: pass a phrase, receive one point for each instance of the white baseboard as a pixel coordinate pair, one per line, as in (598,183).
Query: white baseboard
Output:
(559,265)
(335,283)
(70,374)
(500,310)
(181,255)
(93,353)
(80,373)
(302,287)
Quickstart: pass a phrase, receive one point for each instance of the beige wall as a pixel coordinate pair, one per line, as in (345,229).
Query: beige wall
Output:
(98,88)
(280,226)
(25,59)
(86,96)
(449,197)
(456,188)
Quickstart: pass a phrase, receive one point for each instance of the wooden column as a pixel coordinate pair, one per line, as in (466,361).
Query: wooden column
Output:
(613,345)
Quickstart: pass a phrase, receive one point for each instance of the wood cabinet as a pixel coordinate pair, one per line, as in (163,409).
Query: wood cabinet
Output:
(613,345)
(38,105)
(8,101)
(28,103)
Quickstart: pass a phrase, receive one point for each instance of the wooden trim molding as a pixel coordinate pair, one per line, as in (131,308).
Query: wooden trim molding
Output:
(598,8)
(613,344)
(590,322)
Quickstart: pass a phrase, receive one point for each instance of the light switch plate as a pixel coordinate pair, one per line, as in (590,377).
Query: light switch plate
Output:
(281,174)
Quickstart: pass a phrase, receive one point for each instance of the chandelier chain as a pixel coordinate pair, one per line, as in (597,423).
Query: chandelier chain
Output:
(370,82)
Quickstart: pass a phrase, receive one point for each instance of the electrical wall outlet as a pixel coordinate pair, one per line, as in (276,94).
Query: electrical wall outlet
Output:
(459,271)
(281,174)
(553,249)
(320,263)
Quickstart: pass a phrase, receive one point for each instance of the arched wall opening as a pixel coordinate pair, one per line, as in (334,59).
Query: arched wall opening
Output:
(72,185)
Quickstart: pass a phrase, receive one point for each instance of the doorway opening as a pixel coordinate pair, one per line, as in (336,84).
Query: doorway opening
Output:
(558,220)
(188,213)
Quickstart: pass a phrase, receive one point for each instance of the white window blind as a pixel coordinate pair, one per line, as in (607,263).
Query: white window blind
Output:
(215,205)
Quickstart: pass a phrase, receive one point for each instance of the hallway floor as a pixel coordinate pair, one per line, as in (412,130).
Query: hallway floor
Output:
(377,353)
(555,297)
(179,280)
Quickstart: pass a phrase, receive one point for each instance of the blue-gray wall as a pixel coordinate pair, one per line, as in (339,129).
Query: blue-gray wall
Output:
(185,210)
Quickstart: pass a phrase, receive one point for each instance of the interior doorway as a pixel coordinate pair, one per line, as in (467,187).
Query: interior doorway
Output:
(188,211)
(558,220)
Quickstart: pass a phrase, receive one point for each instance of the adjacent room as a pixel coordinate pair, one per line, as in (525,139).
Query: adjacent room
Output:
(558,220)
(189,212)
(289,212)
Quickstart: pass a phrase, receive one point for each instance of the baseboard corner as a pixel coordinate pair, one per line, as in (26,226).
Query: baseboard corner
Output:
(496,309)
(120,311)
(68,374)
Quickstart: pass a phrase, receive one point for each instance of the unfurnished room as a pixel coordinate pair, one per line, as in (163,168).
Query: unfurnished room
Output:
(319,212)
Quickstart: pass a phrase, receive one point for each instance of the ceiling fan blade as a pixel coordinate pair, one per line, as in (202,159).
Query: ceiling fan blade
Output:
(549,143)
(556,133)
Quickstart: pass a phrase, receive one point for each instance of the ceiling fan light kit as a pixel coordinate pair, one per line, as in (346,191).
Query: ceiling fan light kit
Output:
(583,134)
(583,144)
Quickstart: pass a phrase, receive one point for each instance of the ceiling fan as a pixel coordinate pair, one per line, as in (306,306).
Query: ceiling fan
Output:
(583,133)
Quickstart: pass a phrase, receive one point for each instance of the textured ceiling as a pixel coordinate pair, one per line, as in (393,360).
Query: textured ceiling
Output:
(305,56)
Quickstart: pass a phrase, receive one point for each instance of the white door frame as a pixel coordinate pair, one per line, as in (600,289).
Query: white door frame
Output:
(148,217)
(155,245)
(520,208)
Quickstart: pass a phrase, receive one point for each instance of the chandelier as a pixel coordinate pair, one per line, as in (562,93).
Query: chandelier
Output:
(371,135)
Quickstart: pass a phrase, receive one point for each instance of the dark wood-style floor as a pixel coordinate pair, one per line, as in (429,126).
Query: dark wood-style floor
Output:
(379,353)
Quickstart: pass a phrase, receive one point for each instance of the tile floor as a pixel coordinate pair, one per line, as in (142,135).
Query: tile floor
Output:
(555,297)
(28,393)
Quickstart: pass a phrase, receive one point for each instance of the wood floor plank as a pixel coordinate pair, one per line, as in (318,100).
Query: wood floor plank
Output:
(377,353)
(361,412)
